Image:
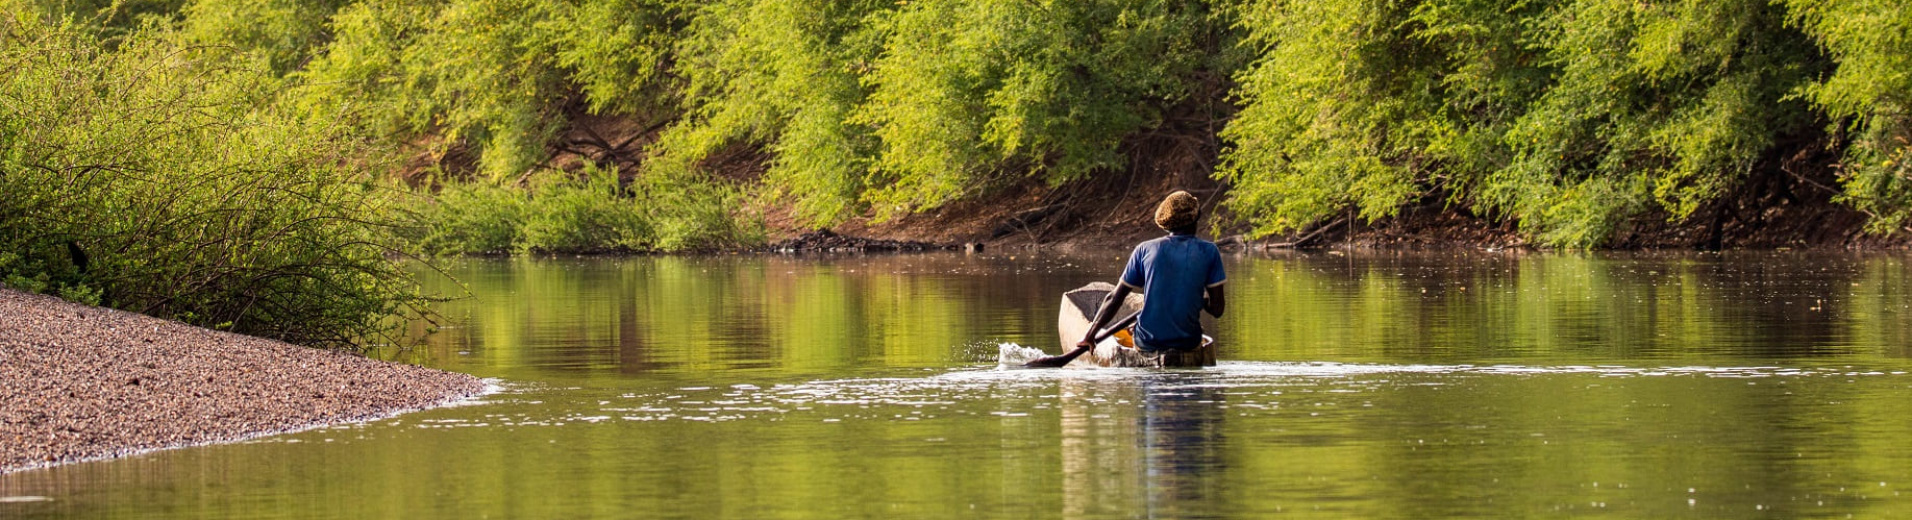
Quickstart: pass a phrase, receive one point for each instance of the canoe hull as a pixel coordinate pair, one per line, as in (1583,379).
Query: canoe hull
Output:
(1073,319)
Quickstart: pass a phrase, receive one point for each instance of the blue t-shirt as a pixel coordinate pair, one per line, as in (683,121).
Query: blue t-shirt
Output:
(1173,273)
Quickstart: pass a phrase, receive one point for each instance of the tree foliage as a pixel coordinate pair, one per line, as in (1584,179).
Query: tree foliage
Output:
(111,19)
(966,90)
(904,106)
(496,75)
(1569,116)
(282,34)
(1870,91)
(783,75)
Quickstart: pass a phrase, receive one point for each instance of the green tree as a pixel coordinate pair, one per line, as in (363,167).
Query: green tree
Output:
(495,75)
(1870,92)
(113,18)
(968,93)
(783,75)
(1570,116)
(283,33)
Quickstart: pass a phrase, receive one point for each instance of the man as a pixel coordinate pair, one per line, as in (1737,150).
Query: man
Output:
(1179,276)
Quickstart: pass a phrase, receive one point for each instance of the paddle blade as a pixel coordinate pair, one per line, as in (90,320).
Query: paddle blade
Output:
(1049,362)
(1056,361)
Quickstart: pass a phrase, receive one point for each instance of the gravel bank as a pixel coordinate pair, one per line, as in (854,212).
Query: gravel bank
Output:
(85,383)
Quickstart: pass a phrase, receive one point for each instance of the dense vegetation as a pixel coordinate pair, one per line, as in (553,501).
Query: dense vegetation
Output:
(182,138)
(165,178)
(1567,116)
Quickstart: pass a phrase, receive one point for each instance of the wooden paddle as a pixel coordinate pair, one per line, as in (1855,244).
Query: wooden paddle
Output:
(1057,361)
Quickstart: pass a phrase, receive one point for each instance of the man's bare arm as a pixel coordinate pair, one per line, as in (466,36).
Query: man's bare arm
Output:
(1103,315)
(1216,303)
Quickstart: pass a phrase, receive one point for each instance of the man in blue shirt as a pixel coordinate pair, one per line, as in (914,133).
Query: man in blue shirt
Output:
(1179,276)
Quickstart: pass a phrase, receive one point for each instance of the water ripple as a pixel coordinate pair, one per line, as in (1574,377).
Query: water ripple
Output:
(1014,392)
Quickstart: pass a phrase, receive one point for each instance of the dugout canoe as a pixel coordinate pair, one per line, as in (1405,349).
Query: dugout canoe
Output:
(1072,322)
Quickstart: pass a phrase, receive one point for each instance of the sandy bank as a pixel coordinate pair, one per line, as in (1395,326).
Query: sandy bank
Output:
(85,383)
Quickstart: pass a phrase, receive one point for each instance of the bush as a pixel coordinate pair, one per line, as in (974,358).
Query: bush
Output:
(586,214)
(785,75)
(561,212)
(471,217)
(162,178)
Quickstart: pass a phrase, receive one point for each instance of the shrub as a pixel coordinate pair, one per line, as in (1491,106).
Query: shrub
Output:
(471,217)
(562,212)
(162,178)
(587,214)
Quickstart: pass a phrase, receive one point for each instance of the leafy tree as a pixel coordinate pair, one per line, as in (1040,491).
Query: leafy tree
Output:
(1343,102)
(968,92)
(283,33)
(112,18)
(1569,116)
(784,75)
(1669,104)
(496,75)
(905,106)
(1870,91)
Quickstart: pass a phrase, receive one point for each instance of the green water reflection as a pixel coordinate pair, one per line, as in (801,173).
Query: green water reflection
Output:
(1373,386)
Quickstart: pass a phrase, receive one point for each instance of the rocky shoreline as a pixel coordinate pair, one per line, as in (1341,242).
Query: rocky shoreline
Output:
(85,383)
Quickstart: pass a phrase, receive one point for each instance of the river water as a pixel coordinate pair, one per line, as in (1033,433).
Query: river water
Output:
(1366,386)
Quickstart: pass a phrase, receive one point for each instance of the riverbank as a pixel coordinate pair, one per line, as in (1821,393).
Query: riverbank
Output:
(87,383)
(1786,214)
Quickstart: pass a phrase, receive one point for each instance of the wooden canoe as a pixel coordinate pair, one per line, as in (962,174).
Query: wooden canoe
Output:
(1072,322)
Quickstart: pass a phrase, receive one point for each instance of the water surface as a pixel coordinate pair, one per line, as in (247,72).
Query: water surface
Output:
(1367,386)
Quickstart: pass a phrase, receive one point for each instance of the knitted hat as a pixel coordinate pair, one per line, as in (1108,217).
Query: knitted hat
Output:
(1177,211)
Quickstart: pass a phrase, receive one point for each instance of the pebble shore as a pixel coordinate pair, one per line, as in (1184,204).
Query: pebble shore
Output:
(82,383)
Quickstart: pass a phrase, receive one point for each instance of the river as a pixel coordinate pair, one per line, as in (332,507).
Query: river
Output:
(1380,385)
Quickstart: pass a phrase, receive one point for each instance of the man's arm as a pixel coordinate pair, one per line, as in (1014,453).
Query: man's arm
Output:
(1216,301)
(1103,315)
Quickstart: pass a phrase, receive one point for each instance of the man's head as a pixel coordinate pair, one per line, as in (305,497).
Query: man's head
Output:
(1177,212)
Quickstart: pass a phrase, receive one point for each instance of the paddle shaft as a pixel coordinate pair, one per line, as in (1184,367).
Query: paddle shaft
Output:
(1056,361)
